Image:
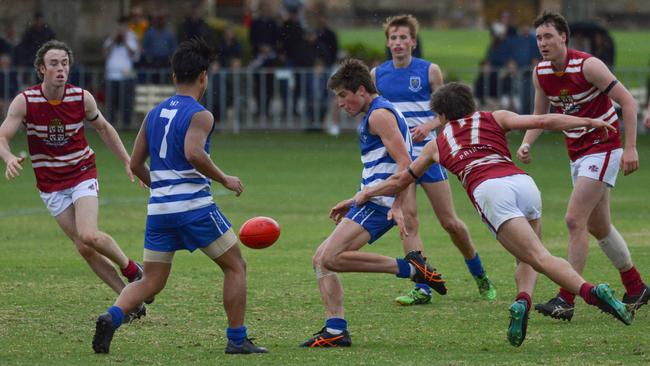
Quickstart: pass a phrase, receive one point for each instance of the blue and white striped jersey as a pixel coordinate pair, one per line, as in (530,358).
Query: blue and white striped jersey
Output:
(377,164)
(409,90)
(178,192)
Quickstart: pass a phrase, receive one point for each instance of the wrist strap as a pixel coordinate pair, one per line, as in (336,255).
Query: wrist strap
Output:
(412,173)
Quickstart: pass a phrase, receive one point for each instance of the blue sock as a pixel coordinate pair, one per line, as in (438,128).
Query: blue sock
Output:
(116,315)
(236,335)
(404,268)
(424,287)
(475,266)
(336,325)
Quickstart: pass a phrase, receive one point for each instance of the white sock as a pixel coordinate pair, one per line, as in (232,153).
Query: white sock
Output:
(333,331)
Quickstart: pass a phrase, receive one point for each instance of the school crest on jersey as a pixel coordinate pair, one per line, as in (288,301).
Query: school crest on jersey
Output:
(56,133)
(568,104)
(415,84)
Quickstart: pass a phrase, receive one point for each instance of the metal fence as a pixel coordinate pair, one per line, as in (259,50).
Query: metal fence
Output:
(277,99)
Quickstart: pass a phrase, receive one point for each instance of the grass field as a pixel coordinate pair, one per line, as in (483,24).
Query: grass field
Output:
(441,46)
(50,299)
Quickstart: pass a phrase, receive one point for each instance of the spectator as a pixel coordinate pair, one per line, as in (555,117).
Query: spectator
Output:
(264,29)
(262,67)
(229,55)
(158,44)
(229,49)
(33,38)
(510,87)
(195,27)
(138,23)
(327,39)
(8,82)
(291,44)
(120,50)
(485,86)
(311,83)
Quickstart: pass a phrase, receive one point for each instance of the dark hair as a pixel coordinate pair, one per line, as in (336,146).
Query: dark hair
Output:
(50,45)
(190,59)
(454,100)
(556,20)
(402,20)
(352,74)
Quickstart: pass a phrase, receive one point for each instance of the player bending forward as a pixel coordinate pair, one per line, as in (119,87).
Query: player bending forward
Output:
(473,146)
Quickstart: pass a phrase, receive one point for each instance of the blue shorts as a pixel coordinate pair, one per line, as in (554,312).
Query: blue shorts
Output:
(198,233)
(435,173)
(371,217)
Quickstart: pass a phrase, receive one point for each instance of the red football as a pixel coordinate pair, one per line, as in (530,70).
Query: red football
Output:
(259,232)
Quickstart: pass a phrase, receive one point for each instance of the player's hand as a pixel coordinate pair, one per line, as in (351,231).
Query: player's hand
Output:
(14,166)
(360,198)
(630,160)
(338,212)
(234,184)
(523,153)
(604,126)
(646,122)
(420,132)
(129,172)
(395,213)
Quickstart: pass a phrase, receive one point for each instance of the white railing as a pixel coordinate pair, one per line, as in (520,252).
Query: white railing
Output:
(276,99)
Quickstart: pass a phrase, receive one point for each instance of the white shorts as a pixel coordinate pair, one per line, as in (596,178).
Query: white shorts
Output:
(57,202)
(600,166)
(501,199)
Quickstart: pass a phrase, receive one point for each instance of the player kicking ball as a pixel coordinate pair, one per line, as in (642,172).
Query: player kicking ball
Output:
(181,213)
(385,147)
(473,146)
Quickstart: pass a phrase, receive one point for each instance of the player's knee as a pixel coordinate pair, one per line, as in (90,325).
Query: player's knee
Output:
(329,262)
(86,252)
(451,225)
(574,222)
(90,237)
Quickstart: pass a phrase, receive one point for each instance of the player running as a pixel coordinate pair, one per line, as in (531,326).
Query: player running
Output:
(408,82)
(578,84)
(53,113)
(181,214)
(473,146)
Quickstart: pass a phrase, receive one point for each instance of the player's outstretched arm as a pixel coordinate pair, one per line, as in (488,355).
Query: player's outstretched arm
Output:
(195,139)
(552,121)
(8,129)
(597,73)
(106,132)
(646,122)
(140,154)
(399,181)
(541,107)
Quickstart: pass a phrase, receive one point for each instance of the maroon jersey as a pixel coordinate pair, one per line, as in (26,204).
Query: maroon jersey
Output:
(570,93)
(475,149)
(60,155)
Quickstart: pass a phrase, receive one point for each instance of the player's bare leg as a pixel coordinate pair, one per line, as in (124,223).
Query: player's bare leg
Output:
(86,210)
(234,285)
(154,278)
(409,209)
(586,195)
(519,239)
(439,195)
(615,248)
(97,262)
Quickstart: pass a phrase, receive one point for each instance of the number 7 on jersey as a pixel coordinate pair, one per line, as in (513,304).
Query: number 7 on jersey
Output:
(168,114)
